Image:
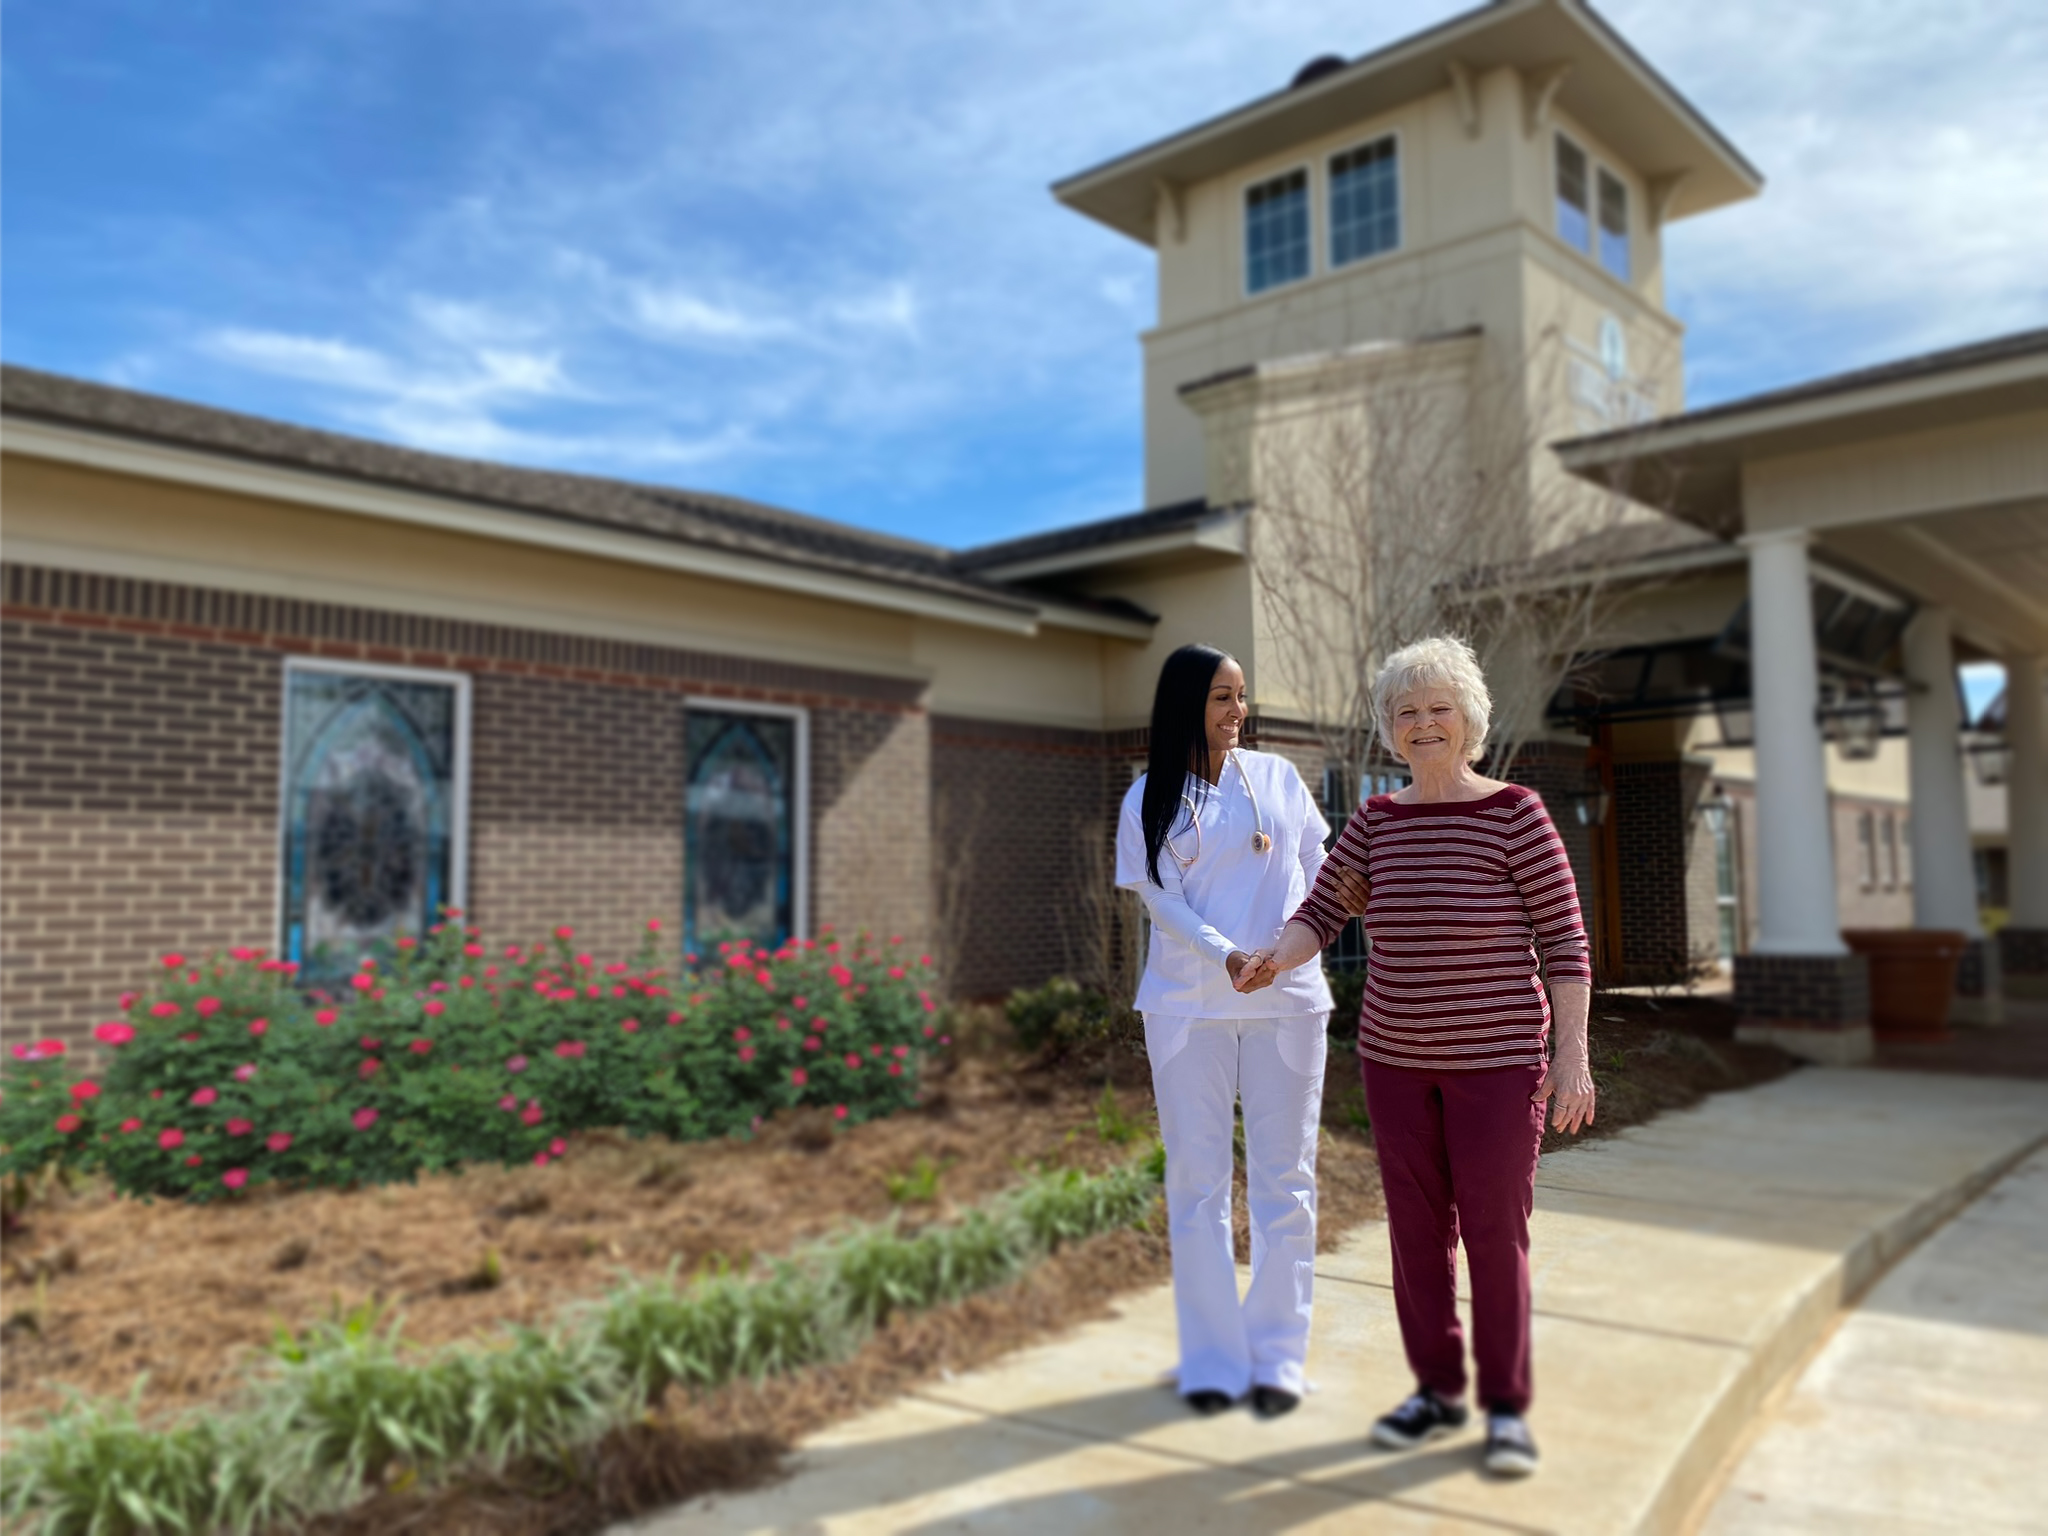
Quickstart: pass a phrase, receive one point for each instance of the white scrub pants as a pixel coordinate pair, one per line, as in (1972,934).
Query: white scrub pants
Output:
(1200,1068)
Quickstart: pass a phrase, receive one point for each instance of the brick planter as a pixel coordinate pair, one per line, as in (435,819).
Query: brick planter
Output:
(1815,1006)
(2023,958)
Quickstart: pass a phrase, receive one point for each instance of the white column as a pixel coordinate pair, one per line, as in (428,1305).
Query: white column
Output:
(2026,793)
(1795,845)
(1944,884)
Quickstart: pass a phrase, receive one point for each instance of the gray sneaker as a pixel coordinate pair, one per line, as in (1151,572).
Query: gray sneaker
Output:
(1419,1420)
(1510,1448)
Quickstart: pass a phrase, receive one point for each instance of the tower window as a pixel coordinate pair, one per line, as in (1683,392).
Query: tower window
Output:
(1614,224)
(1574,202)
(1276,244)
(1365,201)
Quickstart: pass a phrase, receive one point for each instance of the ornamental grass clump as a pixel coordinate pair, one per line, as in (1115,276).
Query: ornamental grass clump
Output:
(94,1469)
(224,1074)
(344,1409)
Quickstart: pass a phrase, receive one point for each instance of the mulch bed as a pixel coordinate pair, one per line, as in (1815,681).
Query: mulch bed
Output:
(183,1293)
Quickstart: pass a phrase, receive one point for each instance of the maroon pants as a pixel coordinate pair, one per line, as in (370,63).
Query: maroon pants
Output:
(1458,1158)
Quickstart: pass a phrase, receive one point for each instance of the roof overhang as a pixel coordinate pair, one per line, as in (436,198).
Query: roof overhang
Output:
(1927,474)
(114,453)
(1607,86)
(1221,532)
(1690,466)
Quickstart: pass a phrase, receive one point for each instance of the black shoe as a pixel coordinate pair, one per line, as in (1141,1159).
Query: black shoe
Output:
(1271,1402)
(1207,1402)
(1422,1418)
(1510,1448)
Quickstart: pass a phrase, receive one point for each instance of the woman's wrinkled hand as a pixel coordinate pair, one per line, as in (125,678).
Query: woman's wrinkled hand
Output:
(1569,1086)
(1352,889)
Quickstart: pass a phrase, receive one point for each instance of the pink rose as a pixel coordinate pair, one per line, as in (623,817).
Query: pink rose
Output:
(565,934)
(362,981)
(113,1033)
(746,1053)
(165,1009)
(235,1178)
(245,1071)
(364,1119)
(510,1101)
(240,1127)
(838,1111)
(540,1159)
(325,1017)
(799,1004)
(131,1124)
(259,1026)
(799,1076)
(559,1147)
(433,1010)
(68,1123)
(172,962)
(204,1096)
(516,1064)
(532,1114)
(170,1140)
(420,1047)
(85,1088)
(278,1141)
(127,1001)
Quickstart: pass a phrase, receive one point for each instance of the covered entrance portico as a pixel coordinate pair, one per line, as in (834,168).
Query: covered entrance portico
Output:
(1928,477)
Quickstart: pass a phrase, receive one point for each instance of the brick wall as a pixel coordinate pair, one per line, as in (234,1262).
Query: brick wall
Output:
(1825,991)
(139,748)
(1023,827)
(1651,827)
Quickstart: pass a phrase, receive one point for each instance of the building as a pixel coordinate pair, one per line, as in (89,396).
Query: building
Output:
(271,686)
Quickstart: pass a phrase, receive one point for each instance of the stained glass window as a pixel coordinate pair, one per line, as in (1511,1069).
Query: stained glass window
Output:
(371,834)
(740,828)
(1365,202)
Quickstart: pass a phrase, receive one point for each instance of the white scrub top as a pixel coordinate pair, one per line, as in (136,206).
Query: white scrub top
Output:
(1227,896)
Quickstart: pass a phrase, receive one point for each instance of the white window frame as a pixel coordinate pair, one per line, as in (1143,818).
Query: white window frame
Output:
(458,814)
(1244,255)
(1590,251)
(1400,202)
(800,851)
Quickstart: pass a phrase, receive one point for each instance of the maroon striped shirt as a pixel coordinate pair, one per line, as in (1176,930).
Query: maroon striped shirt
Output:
(1466,895)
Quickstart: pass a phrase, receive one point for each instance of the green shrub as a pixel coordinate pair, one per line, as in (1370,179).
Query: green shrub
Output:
(224,1075)
(1063,1014)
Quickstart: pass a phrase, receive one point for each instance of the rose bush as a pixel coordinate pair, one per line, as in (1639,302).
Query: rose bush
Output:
(223,1075)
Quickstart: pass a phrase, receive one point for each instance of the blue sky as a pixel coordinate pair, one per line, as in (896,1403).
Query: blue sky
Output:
(805,252)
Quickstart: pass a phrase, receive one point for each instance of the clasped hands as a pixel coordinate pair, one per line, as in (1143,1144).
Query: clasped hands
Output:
(1250,972)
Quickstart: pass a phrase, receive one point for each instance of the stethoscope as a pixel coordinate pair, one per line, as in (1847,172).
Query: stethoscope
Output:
(1261,843)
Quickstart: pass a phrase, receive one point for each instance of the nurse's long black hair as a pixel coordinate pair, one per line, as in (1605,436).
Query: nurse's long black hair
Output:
(1180,743)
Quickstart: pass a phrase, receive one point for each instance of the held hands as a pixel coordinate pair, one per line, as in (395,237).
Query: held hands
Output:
(1250,972)
(1568,1083)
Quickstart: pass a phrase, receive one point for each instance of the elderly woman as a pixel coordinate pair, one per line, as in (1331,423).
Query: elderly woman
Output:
(1472,904)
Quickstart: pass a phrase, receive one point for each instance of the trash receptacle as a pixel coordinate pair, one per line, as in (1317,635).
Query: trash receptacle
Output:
(1912,977)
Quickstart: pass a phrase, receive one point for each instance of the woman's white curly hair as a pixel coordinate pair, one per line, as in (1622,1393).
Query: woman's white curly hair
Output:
(1442,661)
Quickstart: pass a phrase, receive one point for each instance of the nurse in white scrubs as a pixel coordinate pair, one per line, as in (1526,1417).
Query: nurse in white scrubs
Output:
(1222,844)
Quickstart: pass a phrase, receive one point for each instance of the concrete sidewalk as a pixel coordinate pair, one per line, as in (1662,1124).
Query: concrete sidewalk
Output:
(1928,1409)
(1682,1270)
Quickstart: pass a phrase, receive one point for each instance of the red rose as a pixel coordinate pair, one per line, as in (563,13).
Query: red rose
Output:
(68,1123)
(278,1141)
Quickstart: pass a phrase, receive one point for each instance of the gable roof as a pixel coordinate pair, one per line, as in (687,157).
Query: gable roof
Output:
(1610,88)
(667,515)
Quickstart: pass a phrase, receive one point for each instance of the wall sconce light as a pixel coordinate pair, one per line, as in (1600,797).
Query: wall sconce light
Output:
(1990,760)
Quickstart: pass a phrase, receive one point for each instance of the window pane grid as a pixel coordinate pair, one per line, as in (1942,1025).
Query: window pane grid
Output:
(1574,222)
(1365,202)
(1614,225)
(1276,244)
